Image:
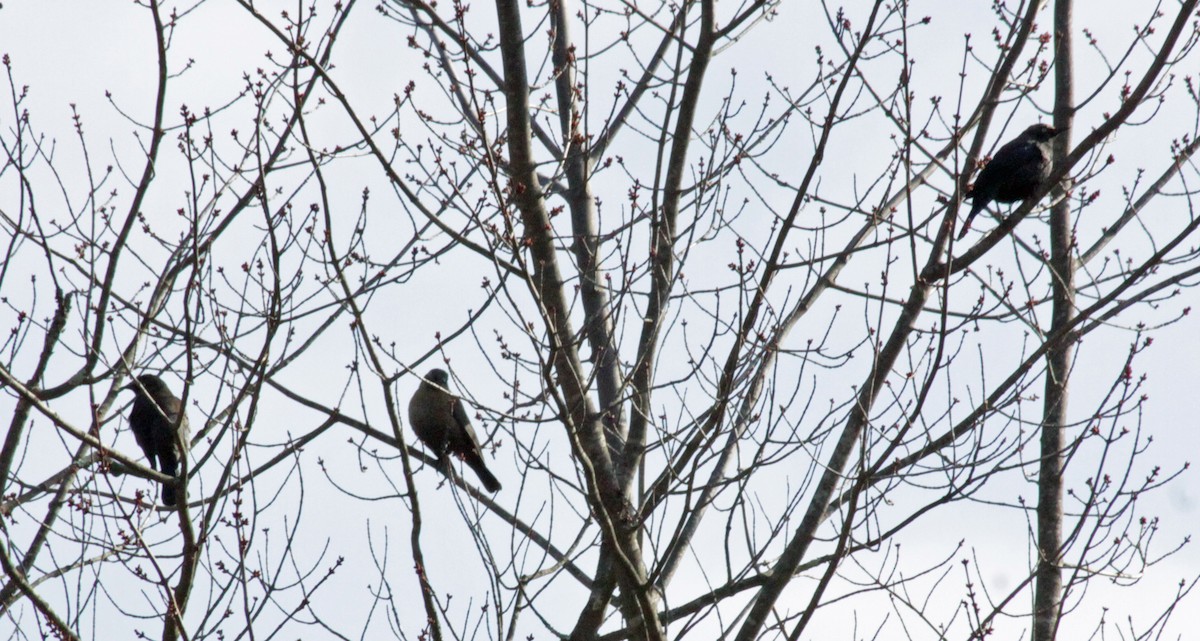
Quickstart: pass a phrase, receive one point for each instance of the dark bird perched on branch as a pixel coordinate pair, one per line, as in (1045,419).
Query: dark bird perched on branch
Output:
(155,413)
(438,418)
(1015,173)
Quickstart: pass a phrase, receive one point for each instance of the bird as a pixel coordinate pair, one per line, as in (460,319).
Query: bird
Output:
(441,422)
(155,413)
(1015,173)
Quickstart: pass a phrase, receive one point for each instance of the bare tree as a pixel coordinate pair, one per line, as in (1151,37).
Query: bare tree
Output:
(697,263)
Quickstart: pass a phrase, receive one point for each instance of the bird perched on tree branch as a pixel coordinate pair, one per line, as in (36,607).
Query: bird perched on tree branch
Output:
(441,422)
(155,414)
(1015,173)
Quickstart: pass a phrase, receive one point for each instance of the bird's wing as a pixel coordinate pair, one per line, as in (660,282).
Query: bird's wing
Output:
(460,417)
(1012,157)
(1031,172)
(1016,157)
(172,407)
(185,432)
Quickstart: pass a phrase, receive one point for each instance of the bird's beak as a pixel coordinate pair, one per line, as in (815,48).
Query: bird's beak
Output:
(1056,132)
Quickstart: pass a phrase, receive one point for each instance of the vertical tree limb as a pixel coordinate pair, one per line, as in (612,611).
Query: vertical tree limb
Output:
(1047,605)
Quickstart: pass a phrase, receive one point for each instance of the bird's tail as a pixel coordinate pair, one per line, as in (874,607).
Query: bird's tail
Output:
(168,494)
(977,205)
(168,489)
(490,482)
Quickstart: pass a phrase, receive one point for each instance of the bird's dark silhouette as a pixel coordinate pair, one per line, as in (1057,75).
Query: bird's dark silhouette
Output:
(155,413)
(1015,173)
(441,422)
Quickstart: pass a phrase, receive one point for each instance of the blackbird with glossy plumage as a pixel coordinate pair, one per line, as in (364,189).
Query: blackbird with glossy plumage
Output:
(441,422)
(1015,173)
(155,413)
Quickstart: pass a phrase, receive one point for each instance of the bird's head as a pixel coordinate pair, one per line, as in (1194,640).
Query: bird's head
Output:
(438,377)
(1040,132)
(151,383)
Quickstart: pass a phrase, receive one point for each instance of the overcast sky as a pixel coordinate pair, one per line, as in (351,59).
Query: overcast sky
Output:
(99,57)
